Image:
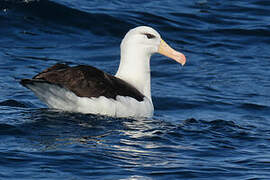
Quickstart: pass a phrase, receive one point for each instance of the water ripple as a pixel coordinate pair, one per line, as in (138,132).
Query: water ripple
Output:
(211,116)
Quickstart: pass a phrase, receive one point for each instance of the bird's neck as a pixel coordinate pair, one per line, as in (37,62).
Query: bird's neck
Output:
(134,68)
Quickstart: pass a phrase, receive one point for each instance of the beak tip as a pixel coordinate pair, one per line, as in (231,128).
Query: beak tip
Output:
(184,62)
(182,59)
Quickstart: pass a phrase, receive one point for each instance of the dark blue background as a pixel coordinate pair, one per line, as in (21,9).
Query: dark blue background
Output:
(212,117)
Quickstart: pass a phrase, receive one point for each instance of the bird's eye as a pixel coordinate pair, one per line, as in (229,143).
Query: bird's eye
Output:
(149,36)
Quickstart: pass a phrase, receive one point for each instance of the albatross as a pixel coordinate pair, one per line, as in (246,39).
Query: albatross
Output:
(86,89)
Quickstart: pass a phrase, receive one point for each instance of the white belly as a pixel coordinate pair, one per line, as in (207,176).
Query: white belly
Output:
(60,98)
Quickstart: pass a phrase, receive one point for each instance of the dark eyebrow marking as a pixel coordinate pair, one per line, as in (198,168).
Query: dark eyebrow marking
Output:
(149,36)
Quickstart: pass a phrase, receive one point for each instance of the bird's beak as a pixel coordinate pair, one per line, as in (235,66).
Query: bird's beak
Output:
(166,50)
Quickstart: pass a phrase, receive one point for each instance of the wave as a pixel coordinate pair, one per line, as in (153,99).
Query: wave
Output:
(111,23)
(254,106)
(12,103)
(46,12)
(6,129)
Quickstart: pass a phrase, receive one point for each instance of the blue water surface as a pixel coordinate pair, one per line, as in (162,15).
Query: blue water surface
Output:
(212,116)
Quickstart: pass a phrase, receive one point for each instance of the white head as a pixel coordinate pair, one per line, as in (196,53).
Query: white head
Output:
(136,49)
(142,39)
(148,41)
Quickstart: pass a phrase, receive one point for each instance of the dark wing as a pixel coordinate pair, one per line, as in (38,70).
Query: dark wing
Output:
(86,81)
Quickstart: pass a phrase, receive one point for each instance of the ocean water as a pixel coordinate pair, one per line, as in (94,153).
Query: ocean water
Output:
(212,116)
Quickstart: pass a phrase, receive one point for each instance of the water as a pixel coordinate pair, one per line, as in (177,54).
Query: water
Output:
(212,117)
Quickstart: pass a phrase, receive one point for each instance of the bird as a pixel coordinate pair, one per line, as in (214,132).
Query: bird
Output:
(88,90)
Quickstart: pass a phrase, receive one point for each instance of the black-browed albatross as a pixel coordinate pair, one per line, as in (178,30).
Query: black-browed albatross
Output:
(87,89)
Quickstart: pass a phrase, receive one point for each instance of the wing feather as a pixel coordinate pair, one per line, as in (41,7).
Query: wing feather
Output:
(86,81)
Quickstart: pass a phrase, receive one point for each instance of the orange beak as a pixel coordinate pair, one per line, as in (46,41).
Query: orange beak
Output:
(166,50)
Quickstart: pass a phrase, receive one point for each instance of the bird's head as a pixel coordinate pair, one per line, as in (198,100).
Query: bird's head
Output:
(147,40)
